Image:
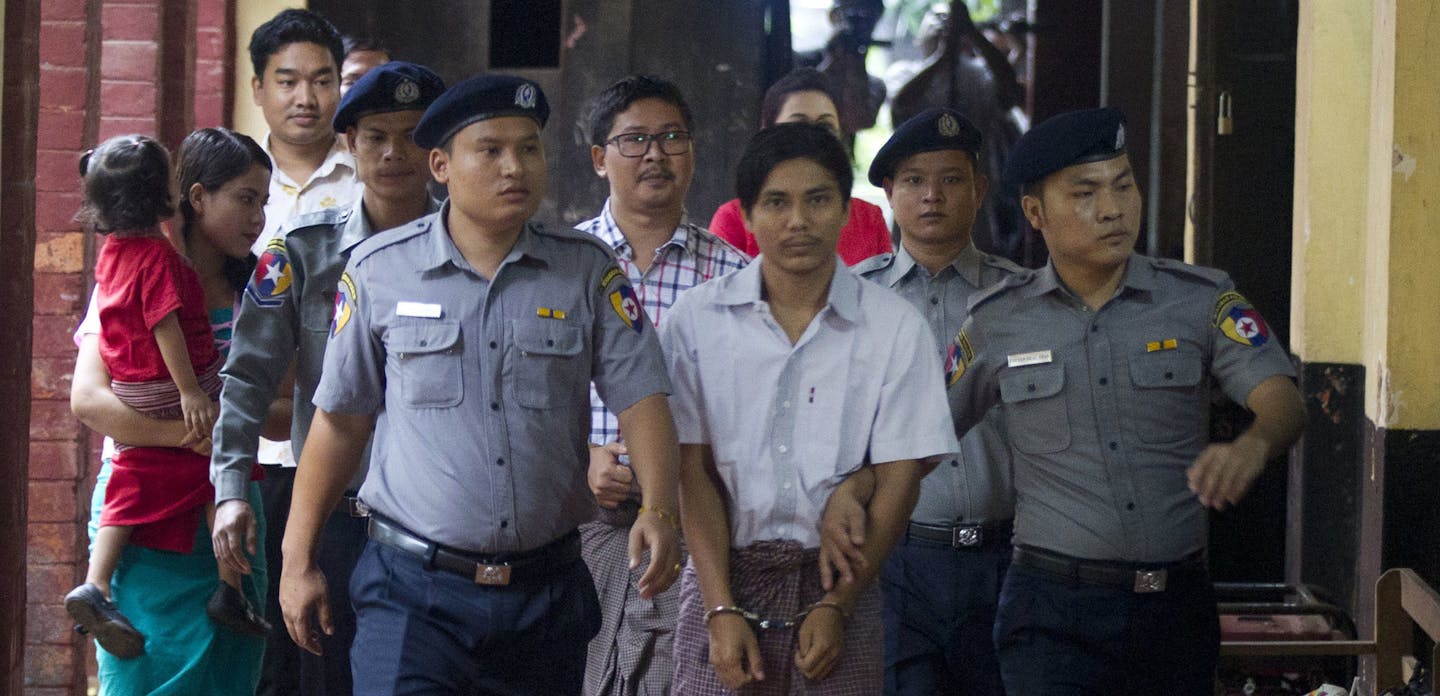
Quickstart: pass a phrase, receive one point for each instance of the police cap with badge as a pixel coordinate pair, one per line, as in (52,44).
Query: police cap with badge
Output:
(928,131)
(394,86)
(1075,137)
(477,99)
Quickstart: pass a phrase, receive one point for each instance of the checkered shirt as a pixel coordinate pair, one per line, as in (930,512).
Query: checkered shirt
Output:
(691,257)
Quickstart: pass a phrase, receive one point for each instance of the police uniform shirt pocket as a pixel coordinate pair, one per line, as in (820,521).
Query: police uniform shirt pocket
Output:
(429,363)
(548,368)
(1168,405)
(1035,408)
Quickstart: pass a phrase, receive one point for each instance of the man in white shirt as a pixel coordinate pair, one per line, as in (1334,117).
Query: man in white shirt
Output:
(296,56)
(788,376)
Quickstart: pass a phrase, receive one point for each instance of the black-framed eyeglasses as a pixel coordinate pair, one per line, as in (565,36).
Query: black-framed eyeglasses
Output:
(637,144)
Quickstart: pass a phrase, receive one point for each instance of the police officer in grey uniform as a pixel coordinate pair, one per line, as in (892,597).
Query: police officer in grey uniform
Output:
(467,341)
(286,316)
(1102,363)
(942,581)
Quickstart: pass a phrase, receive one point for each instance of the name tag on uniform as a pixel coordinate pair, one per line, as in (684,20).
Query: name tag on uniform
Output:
(424,310)
(1039,357)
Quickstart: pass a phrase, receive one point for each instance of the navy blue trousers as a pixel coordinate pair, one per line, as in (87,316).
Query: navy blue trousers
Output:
(425,631)
(939,615)
(1059,637)
(287,670)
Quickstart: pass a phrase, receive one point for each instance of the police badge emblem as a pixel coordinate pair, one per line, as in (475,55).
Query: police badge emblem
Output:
(407,91)
(1120,137)
(525,96)
(948,126)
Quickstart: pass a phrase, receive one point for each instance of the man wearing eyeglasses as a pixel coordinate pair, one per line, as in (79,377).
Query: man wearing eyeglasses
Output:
(640,143)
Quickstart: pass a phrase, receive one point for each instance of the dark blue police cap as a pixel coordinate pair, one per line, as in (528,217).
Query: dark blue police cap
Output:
(477,99)
(927,131)
(394,86)
(1075,137)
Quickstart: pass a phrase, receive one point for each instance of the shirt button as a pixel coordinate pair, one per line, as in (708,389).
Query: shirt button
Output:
(549,343)
(500,461)
(494,345)
(1114,445)
(954,462)
(424,343)
(783,449)
(1130,506)
(1104,381)
(1030,387)
(494,406)
(934,300)
(1169,375)
(504,524)
(785,485)
(1094,328)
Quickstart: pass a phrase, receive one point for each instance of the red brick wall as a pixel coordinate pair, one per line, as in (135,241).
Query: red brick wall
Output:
(54,658)
(106,68)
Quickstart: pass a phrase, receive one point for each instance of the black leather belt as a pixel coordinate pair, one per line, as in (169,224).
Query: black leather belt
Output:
(484,569)
(1140,578)
(975,537)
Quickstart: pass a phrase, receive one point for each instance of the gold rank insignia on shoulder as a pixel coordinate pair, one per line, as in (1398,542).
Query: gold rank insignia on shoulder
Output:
(549,313)
(1167,344)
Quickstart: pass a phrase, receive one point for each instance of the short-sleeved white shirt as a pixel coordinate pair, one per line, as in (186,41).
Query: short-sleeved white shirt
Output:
(788,422)
(333,183)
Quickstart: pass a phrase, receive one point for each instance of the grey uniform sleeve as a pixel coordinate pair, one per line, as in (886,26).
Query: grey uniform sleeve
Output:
(687,397)
(973,385)
(353,377)
(627,365)
(1244,351)
(261,350)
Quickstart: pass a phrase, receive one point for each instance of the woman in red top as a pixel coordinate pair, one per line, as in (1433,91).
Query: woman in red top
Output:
(803,95)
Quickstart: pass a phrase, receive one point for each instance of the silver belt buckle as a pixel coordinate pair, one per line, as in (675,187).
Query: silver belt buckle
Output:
(357,507)
(494,575)
(965,536)
(1150,581)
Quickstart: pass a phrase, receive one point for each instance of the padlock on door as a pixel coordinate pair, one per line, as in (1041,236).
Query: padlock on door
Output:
(1224,121)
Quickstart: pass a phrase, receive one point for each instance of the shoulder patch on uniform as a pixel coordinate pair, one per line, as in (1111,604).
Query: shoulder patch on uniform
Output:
(1238,320)
(344,303)
(627,307)
(271,281)
(611,274)
(959,357)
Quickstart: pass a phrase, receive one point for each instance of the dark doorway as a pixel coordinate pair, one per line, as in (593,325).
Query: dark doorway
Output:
(1242,215)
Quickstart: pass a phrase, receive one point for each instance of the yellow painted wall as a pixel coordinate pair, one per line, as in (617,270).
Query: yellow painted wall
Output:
(1332,97)
(250,14)
(1409,396)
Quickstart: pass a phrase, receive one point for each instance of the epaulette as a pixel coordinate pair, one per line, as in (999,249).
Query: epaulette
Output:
(572,235)
(1003,264)
(1021,277)
(328,217)
(391,237)
(878,262)
(1211,276)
